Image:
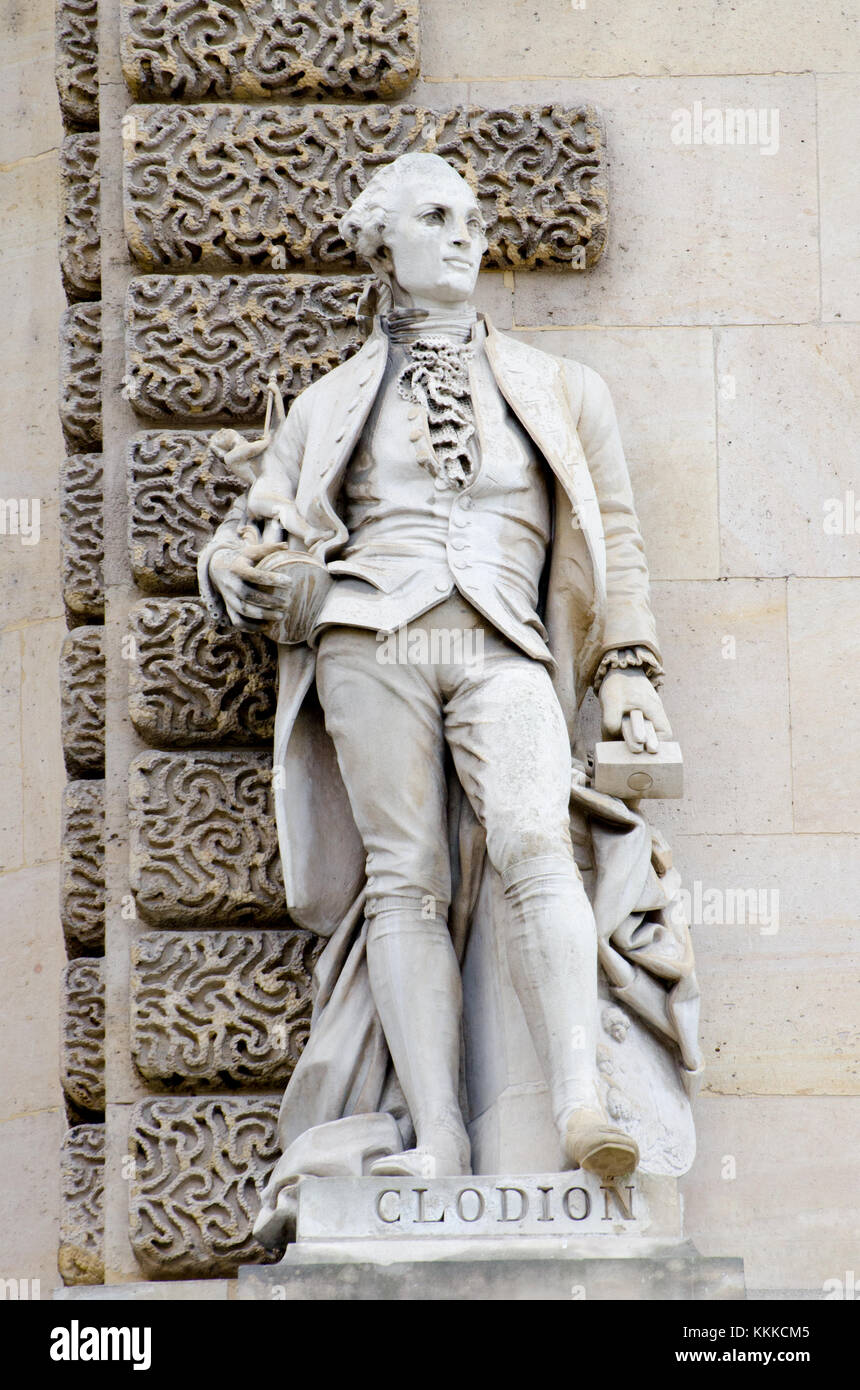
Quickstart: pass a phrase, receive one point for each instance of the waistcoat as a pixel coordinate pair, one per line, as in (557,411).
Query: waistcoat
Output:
(413,541)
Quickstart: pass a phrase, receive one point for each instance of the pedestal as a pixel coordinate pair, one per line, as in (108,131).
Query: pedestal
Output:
(547,1236)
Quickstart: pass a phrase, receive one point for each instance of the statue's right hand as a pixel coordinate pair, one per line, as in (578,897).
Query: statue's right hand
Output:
(249,605)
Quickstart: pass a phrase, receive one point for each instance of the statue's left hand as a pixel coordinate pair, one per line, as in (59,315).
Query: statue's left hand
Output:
(632,708)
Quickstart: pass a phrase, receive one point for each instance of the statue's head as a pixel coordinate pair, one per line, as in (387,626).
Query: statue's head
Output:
(419,225)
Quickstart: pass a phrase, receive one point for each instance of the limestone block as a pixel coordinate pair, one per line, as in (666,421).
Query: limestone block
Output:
(41,755)
(29,113)
(780,1008)
(82,547)
(80,249)
(824,657)
(81,1255)
(178,492)
(82,1052)
(204,848)
(193,1197)
(838,130)
(699,234)
(726,694)
(191,682)
(81,376)
(249,183)
(204,347)
(30,1197)
(11,823)
(472,43)
(671,453)
(82,699)
(216,1009)
(33,959)
(82,881)
(77,61)
(258,48)
(33,302)
(789,493)
(775,1181)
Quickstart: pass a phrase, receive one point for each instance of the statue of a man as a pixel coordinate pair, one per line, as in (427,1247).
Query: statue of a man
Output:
(461,485)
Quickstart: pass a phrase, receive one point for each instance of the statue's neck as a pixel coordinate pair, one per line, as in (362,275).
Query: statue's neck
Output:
(405,325)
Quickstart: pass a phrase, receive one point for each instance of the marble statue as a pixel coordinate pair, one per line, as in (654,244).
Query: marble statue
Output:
(441,536)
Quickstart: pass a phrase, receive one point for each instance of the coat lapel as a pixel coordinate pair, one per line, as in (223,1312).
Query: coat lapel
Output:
(532,383)
(341,408)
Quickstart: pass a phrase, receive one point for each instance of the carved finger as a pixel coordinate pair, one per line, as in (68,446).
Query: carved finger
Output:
(635,745)
(637,725)
(652,743)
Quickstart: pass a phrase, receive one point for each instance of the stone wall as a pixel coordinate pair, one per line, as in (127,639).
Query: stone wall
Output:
(719,300)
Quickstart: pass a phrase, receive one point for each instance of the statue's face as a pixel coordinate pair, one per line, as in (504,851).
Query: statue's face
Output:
(435,240)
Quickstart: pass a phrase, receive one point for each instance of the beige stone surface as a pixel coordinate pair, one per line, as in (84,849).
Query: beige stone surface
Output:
(32,300)
(697,234)
(787,465)
(30,1197)
(41,744)
(32,956)
(781,1012)
(29,111)
(728,712)
(791,1209)
(816,876)
(11,806)
(838,132)
(671,453)
(824,652)
(477,40)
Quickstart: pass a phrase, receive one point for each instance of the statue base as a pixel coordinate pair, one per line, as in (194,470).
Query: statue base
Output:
(547,1236)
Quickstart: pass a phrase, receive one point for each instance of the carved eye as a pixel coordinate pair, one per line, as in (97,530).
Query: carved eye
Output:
(435,217)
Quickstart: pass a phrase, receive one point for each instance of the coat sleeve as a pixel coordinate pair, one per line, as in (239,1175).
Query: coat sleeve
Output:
(629,619)
(280,463)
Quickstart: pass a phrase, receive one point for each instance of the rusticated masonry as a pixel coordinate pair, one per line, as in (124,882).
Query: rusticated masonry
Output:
(191,682)
(77,61)
(82,1043)
(220,1009)
(81,530)
(197,346)
(82,883)
(226,186)
(82,701)
(252,48)
(80,249)
(178,493)
(204,848)
(81,376)
(82,1163)
(193,1197)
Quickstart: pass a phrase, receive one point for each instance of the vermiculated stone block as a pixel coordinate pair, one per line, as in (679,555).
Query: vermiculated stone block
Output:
(82,850)
(81,536)
(193,1197)
(199,346)
(82,701)
(220,1009)
(82,1049)
(178,492)
(191,682)
(204,847)
(81,376)
(76,57)
(80,242)
(217,187)
(257,48)
(82,1163)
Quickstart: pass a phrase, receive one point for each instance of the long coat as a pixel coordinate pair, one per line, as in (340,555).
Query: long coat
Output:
(597,599)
